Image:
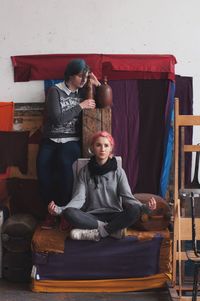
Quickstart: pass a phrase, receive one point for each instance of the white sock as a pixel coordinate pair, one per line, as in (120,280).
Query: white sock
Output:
(101,228)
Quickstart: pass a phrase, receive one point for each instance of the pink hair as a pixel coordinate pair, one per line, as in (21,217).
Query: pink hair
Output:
(103,134)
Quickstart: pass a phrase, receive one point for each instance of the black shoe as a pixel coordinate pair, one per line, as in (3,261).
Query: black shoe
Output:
(119,234)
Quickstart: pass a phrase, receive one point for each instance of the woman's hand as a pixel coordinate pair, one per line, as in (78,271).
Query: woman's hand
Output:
(88,104)
(53,209)
(94,80)
(152,203)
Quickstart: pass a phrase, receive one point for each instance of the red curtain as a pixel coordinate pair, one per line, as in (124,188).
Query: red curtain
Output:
(115,66)
(6,124)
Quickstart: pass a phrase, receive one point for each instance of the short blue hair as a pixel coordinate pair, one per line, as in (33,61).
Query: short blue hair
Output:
(74,67)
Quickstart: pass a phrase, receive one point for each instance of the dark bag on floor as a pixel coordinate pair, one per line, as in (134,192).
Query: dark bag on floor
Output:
(17,232)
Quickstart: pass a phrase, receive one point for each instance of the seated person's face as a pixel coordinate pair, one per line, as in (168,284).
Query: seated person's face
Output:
(102,149)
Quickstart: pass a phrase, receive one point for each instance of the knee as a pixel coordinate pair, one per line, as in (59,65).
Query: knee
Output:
(43,162)
(133,211)
(69,213)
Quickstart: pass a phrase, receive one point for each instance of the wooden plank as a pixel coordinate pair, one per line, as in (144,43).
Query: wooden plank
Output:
(28,117)
(182,161)
(186,287)
(106,121)
(176,190)
(191,148)
(186,228)
(187,298)
(27,123)
(93,121)
(31,174)
(181,255)
(188,120)
(173,294)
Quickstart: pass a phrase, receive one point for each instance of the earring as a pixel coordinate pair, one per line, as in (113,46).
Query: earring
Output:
(90,152)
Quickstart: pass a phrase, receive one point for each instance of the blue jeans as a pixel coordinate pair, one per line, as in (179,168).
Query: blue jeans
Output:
(54,170)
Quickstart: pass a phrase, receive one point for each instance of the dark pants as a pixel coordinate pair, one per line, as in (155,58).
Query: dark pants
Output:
(54,170)
(116,221)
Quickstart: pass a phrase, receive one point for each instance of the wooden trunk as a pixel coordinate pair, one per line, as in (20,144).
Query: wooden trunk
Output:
(92,122)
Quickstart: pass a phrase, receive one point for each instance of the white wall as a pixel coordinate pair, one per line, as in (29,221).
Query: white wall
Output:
(97,26)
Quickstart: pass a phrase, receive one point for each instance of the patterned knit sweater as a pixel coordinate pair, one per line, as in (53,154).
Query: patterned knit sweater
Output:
(63,112)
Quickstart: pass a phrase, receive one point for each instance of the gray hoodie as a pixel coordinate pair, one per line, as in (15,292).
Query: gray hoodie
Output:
(112,194)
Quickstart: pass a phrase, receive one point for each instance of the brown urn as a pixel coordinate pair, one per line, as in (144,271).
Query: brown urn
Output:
(104,95)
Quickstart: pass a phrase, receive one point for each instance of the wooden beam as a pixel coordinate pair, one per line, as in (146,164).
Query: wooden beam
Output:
(186,228)
(187,298)
(188,120)
(191,148)
(182,255)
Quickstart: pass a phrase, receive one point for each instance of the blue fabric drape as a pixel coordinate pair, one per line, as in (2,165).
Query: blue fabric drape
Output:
(168,141)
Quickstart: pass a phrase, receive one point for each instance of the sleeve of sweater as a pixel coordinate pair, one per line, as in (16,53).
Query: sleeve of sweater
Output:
(54,110)
(124,189)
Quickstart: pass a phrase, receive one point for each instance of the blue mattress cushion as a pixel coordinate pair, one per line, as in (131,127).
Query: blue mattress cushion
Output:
(108,258)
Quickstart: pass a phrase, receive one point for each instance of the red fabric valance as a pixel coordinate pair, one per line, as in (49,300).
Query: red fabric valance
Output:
(49,66)
(115,66)
(141,66)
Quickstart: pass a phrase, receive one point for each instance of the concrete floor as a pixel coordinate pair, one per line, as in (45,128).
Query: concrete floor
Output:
(20,292)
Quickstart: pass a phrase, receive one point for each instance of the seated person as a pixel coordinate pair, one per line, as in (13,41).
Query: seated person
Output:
(102,204)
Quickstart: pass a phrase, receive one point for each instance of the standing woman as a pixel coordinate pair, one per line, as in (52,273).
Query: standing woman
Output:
(60,145)
(102,204)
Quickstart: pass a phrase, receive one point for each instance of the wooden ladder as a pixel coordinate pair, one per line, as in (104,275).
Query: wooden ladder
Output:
(182,225)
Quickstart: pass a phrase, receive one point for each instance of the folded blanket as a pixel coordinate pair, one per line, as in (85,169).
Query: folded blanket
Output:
(54,240)
(49,240)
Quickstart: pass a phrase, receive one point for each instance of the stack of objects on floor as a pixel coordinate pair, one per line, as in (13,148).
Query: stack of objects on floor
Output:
(17,232)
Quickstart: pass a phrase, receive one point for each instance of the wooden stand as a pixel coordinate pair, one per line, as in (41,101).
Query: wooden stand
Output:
(94,121)
(182,224)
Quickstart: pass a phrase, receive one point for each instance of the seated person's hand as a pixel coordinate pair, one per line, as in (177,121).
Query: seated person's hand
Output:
(152,203)
(54,209)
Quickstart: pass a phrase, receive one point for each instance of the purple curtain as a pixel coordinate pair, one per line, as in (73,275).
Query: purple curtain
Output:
(184,91)
(138,126)
(152,102)
(125,125)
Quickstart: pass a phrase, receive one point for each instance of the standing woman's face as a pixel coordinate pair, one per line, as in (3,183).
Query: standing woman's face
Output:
(102,149)
(78,80)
